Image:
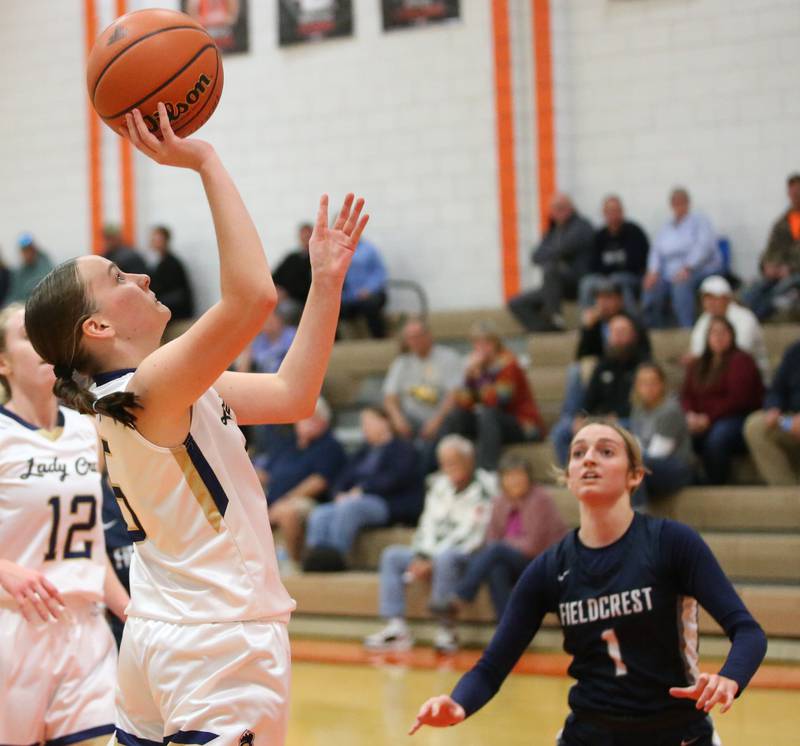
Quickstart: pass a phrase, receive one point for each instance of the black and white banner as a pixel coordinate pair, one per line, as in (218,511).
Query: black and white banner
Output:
(225,21)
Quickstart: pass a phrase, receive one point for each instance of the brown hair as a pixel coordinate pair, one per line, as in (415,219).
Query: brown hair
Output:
(54,316)
(708,369)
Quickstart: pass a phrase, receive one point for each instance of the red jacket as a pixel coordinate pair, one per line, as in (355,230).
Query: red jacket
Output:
(738,389)
(542,524)
(503,385)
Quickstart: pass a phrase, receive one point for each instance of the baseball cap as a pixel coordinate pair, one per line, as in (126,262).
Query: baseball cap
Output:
(715,285)
(24,239)
(606,286)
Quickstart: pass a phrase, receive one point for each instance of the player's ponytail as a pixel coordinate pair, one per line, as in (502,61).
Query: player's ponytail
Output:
(54,316)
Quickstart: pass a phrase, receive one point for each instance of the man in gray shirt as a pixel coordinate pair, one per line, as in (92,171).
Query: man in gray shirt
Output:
(564,255)
(418,391)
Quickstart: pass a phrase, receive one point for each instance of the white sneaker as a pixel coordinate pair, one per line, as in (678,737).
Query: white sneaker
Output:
(394,636)
(445,640)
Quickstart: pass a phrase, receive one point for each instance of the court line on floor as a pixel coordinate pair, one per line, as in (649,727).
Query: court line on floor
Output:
(769,676)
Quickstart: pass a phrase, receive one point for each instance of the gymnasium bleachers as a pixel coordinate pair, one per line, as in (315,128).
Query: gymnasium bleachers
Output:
(754,530)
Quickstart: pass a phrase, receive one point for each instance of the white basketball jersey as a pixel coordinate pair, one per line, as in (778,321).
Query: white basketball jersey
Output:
(51,503)
(197,513)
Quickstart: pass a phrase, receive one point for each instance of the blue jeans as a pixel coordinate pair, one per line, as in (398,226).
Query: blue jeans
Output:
(760,296)
(717,446)
(500,565)
(627,282)
(447,568)
(667,476)
(337,524)
(683,297)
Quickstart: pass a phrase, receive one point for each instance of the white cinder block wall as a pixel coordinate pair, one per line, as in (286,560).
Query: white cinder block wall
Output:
(648,94)
(701,93)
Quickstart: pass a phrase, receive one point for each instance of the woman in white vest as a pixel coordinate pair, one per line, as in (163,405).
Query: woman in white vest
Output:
(205,653)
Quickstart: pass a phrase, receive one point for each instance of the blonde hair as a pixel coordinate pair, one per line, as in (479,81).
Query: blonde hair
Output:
(5,316)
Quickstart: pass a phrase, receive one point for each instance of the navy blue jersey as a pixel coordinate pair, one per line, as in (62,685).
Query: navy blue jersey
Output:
(629,616)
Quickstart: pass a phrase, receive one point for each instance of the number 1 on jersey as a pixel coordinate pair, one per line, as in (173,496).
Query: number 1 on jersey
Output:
(614,652)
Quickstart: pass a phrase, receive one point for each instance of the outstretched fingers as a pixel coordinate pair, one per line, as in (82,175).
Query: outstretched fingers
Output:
(344,213)
(322,214)
(355,236)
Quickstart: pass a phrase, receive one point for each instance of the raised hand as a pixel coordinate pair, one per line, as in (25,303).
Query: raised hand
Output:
(170,150)
(331,249)
(709,690)
(34,593)
(438,712)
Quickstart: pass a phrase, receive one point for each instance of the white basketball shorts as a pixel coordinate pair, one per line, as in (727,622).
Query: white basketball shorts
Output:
(194,683)
(57,679)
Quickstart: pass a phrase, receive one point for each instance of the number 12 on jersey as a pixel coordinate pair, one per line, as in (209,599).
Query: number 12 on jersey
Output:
(86,525)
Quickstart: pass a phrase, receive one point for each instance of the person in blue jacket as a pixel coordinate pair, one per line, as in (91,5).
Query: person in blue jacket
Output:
(380,485)
(626,588)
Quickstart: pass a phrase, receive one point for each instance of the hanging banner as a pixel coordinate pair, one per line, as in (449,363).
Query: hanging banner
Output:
(404,13)
(225,21)
(302,21)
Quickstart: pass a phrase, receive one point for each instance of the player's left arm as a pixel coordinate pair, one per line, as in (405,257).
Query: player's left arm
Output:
(291,393)
(115,596)
(699,575)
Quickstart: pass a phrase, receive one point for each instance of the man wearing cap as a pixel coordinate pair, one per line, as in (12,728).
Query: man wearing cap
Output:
(717,299)
(34,265)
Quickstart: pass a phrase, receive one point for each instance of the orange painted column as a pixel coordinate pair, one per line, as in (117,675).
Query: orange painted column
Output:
(507,186)
(543,95)
(127,177)
(95,149)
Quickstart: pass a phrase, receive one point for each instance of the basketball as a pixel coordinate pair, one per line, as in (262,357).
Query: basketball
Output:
(155,55)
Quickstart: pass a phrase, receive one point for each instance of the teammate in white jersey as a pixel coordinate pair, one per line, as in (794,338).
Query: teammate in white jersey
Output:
(57,655)
(205,654)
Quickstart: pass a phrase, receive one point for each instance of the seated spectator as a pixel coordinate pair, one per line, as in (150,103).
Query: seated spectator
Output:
(619,254)
(265,355)
(453,525)
(5,282)
(380,485)
(563,255)
(267,350)
(168,279)
(608,302)
(524,522)
(116,250)
(419,389)
(609,389)
(299,476)
(717,299)
(658,422)
(773,433)
(683,254)
(780,262)
(364,291)
(34,265)
(720,389)
(495,405)
(292,278)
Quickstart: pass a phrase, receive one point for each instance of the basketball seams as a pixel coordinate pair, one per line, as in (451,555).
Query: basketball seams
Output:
(168,81)
(149,35)
(213,98)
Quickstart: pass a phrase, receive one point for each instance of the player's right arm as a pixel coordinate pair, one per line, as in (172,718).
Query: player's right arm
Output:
(34,594)
(172,378)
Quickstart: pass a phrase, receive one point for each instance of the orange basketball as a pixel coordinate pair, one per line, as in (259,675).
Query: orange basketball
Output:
(155,55)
